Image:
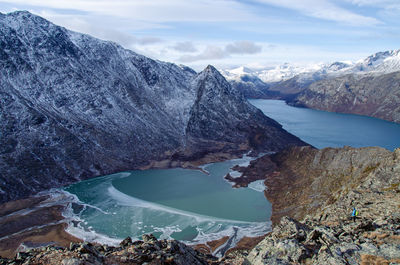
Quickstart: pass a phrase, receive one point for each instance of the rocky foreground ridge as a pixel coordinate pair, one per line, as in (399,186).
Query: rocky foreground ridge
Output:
(320,188)
(73,107)
(147,251)
(312,193)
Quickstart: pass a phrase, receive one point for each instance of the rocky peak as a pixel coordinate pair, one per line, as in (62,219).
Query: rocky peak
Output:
(75,107)
(209,82)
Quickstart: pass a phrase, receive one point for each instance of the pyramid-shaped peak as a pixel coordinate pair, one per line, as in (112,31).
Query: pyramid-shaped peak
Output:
(210,68)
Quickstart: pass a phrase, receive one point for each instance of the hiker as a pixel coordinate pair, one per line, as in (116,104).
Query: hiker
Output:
(354,214)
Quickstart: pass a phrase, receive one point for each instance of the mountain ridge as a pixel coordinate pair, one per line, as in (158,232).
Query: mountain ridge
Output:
(74,107)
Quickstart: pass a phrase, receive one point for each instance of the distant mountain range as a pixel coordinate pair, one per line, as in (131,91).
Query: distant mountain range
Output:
(73,107)
(368,87)
(378,63)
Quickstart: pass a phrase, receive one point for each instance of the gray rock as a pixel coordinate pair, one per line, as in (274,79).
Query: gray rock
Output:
(126,242)
(71,261)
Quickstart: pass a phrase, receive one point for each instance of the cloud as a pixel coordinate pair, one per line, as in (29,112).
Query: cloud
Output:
(154,11)
(209,53)
(185,46)
(95,27)
(325,9)
(148,40)
(243,47)
(379,3)
(386,5)
(214,52)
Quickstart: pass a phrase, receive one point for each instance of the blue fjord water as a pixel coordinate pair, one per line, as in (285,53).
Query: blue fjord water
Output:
(326,129)
(195,207)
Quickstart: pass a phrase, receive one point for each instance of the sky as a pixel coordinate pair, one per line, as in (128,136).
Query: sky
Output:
(231,33)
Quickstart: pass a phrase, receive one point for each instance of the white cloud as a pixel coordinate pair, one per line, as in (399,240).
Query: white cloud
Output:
(209,53)
(212,52)
(243,47)
(97,28)
(324,9)
(184,46)
(379,3)
(148,40)
(389,6)
(154,11)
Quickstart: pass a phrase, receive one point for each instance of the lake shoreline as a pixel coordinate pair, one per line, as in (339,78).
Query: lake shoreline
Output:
(21,217)
(24,231)
(33,222)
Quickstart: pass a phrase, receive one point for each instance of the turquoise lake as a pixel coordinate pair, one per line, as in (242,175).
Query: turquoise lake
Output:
(183,204)
(195,207)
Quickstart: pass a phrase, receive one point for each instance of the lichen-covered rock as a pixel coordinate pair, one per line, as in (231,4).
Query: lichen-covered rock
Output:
(321,187)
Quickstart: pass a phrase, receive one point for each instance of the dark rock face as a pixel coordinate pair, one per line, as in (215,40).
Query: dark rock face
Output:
(74,107)
(375,95)
(222,115)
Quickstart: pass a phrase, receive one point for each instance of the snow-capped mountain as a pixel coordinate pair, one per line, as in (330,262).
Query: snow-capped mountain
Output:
(369,87)
(372,95)
(73,106)
(282,72)
(378,63)
(289,79)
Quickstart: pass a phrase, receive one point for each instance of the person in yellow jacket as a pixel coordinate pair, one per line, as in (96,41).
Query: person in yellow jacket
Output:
(354,214)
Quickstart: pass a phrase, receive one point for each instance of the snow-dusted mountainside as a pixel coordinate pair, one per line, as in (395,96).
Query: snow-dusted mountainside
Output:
(290,79)
(73,107)
(378,63)
(280,80)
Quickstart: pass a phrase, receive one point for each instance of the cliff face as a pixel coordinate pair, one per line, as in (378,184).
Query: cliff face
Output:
(73,107)
(374,95)
(320,188)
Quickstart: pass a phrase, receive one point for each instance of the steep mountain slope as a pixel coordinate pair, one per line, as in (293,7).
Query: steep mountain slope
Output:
(372,95)
(74,107)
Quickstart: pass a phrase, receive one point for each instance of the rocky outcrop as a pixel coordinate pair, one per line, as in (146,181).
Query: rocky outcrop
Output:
(148,251)
(74,107)
(303,181)
(360,242)
(373,95)
(320,188)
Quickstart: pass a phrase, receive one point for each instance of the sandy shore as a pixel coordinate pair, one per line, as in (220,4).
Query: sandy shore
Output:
(30,223)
